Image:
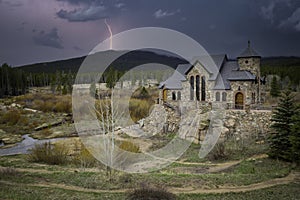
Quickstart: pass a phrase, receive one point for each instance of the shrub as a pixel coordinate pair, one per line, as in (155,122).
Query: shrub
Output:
(45,132)
(84,158)
(62,106)
(38,104)
(125,179)
(50,154)
(11,117)
(219,152)
(129,146)
(139,109)
(46,102)
(141,93)
(23,121)
(150,193)
(48,106)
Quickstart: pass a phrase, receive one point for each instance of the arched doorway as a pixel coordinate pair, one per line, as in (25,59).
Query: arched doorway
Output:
(239,100)
(165,95)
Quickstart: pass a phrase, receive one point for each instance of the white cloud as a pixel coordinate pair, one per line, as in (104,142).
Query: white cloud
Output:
(119,5)
(267,12)
(84,14)
(292,21)
(162,14)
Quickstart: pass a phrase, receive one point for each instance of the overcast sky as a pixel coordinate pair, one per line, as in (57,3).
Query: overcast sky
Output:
(44,30)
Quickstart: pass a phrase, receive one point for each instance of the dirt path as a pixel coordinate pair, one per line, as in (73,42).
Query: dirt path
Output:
(214,167)
(218,167)
(292,177)
(45,171)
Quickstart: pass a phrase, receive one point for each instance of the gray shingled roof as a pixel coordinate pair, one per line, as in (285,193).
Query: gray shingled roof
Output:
(241,76)
(230,72)
(222,71)
(249,52)
(212,68)
(173,82)
(183,68)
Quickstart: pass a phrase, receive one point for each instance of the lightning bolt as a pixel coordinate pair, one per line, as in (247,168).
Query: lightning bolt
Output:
(110,32)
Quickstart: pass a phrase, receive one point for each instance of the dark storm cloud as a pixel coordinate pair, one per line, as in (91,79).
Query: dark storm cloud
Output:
(49,39)
(77,48)
(90,10)
(273,26)
(293,21)
(84,14)
(282,14)
(76,2)
(12,3)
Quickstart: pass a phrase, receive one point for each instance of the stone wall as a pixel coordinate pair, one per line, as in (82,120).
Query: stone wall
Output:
(235,122)
(250,64)
(246,123)
(247,88)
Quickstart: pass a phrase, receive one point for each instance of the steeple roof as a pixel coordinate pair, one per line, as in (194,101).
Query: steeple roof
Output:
(249,52)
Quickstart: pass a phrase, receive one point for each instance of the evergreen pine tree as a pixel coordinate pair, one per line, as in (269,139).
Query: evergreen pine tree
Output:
(280,145)
(64,89)
(144,93)
(111,78)
(52,84)
(295,137)
(274,87)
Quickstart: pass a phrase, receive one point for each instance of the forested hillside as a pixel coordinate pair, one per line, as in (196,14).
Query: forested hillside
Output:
(60,74)
(123,63)
(283,67)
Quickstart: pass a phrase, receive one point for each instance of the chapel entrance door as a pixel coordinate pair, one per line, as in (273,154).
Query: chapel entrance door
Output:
(239,100)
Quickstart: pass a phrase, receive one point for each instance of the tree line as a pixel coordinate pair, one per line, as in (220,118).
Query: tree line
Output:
(13,81)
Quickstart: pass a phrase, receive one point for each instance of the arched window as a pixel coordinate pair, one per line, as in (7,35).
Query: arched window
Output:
(192,88)
(217,96)
(224,96)
(173,96)
(178,95)
(198,88)
(203,85)
(253,97)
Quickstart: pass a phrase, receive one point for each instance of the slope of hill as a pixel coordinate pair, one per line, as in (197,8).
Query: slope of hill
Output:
(282,66)
(123,63)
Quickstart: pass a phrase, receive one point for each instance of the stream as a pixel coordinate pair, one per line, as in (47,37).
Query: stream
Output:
(26,144)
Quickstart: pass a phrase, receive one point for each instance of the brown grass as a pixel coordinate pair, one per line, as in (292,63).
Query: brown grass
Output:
(50,154)
(47,102)
(129,146)
(83,158)
(11,117)
(139,108)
